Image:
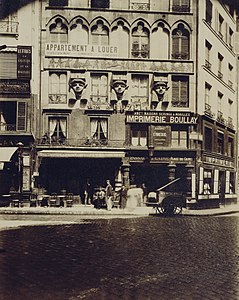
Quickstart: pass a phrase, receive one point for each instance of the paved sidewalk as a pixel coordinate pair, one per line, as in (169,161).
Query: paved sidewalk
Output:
(90,210)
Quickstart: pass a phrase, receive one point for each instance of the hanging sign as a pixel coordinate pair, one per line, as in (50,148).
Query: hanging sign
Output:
(24,62)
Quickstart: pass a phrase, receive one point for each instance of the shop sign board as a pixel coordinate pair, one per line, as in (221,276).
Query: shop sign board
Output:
(162,159)
(218,161)
(157,117)
(14,86)
(75,50)
(24,62)
(161,136)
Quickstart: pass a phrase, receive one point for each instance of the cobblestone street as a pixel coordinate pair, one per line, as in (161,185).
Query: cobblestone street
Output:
(121,258)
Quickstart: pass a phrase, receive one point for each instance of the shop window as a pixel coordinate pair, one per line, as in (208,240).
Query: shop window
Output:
(180,43)
(230,183)
(99,129)
(180,91)
(208,12)
(100,3)
(57,129)
(139,135)
(140,41)
(99,88)
(140,91)
(181,5)
(58,2)
(207,182)
(230,147)
(179,139)
(208,139)
(57,88)
(220,143)
(100,34)
(13,116)
(58,32)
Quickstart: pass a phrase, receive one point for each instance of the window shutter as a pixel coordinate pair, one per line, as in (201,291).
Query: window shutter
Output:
(175,90)
(184,91)
(8,65)
(21,116)
(185,47)
(175,46)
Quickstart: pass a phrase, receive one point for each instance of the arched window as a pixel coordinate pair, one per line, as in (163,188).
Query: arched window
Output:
(140,41)
(180,43)
(120,38)
(159,42)
(58,32)
(78,33)
(100,34)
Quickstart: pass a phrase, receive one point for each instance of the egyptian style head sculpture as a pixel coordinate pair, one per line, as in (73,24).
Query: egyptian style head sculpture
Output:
(119,86)
(77,85)
(160,87)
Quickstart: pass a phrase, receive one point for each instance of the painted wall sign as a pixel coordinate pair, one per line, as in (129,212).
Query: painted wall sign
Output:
(24,62)
(161,117)
(218,161)
(14,86)
(161,136)
(118,65)
(81,50)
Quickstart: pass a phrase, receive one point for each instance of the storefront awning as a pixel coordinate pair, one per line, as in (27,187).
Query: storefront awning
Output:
(6,153)
(80,154)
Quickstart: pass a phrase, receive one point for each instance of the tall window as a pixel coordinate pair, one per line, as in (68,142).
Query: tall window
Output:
(140,41)
(58,32)
(99,129)
(13,116)
(181,5)
(220,142)
(208,139)
(139,135)
(220,25)
(180,91)
(99,88)
(230,77)
(100,3)
(57,88)
(207,92)
(140,91)
(100,34)
(220,62)
(230,38)
(57,129)
(230,147)
(208,13)
(180,43)
(208,48)
(219,102)
(179,139)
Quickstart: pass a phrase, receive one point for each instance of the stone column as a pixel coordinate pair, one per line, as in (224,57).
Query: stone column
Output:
(189,168)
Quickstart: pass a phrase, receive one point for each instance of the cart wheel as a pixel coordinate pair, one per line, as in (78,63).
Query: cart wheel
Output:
(171,207)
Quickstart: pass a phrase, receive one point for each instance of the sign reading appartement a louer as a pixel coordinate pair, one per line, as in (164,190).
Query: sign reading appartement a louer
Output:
(157,117)
(24,62)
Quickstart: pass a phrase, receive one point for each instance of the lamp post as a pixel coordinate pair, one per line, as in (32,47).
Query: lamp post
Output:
(20,145)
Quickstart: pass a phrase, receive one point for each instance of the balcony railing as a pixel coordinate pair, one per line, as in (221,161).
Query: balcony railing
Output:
(8,27)
(220,118)
(208,65)
(86,142)
(230,123)
(230,83)
(8,127)
(140,6)
(220,75)
(208,110)
(181,8)
(57,99)
(180,55)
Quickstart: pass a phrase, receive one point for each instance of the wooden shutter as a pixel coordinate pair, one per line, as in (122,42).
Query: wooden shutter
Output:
(21,116)
(185,46)
(184,90)
(175,90)
(8,65)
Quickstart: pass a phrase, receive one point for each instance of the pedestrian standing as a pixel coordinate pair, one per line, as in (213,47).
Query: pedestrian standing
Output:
(108,194)
(123,197)
(88,193)
(145,193)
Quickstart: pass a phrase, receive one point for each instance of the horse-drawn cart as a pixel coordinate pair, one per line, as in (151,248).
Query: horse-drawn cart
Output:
(167,203)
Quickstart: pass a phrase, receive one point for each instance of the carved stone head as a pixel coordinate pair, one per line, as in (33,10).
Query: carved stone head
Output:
(160,87)
(119,86)
(77,85)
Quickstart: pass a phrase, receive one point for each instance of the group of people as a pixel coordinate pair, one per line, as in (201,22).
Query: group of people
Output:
(104,196)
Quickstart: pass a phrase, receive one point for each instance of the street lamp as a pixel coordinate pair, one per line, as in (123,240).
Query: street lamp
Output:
(20,145)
